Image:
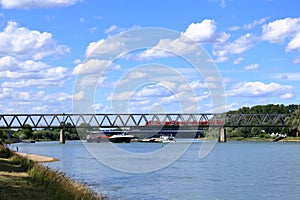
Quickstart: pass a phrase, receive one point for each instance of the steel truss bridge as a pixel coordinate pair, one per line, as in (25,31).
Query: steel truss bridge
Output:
(137,120)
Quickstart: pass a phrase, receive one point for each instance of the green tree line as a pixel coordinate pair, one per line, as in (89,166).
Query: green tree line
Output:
(293,122)
(45,134)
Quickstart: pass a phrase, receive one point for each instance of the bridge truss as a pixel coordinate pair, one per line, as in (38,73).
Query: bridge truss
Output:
(138,120)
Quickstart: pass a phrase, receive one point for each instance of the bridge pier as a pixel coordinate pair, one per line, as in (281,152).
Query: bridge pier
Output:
(62,139)
(222,135)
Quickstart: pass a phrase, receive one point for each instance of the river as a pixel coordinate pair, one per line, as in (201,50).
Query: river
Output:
(232,170)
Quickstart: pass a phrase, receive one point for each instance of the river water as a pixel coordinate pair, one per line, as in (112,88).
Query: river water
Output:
(232,170)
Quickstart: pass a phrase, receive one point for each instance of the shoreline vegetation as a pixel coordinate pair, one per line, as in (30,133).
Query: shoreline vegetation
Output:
(258,139)
(23,178)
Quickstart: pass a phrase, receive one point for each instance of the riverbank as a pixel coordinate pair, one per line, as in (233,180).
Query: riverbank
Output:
(24,178)
(258,139)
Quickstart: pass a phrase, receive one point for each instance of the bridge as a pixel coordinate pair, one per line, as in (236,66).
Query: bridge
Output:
(135,120)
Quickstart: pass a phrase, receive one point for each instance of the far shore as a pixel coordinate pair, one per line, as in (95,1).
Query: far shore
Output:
(258,139)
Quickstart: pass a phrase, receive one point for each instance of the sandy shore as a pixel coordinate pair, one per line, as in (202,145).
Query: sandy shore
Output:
(37,158)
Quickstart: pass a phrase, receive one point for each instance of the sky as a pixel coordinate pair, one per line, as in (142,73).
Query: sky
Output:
(103,56)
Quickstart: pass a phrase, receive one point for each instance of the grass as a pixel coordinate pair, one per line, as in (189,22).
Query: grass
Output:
(23,179)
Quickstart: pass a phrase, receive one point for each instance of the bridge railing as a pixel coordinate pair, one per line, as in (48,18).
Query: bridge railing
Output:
(137,120)
(256,120)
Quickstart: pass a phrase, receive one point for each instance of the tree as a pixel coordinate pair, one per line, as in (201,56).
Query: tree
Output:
(24,133)
(294,121)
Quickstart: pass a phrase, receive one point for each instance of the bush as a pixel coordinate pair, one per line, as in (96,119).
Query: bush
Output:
(4,152)
(266,136)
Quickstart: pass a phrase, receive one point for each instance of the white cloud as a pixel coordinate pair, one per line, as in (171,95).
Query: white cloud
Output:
(169,48)
(234,28)
(79,95)
(22,71)
(201,32)
(5,92)
(237,47)
(121,96)
(193,85)
(238,60)
(100,108)
(137,74)
(286,96)
(105,49)
(252,67)
(93,29)
(154,91)
(297,60)
(294,43)
(255,23)
(278,30)
(259,89)
(20,101)
(222,3)
(131,76)
(281,30)
(33,83)
(22,43)
(169,85)
(41,109)
(26,4)
(30,73)
(112,28)
(92,66)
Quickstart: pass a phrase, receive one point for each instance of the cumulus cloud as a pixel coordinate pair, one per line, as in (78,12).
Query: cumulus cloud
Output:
(26,4)
(237,47)
(201,32)
(20,101)
(92,66)
(105,49)
(23,43)
(278,30)
(294,43)
(169,48)
(205,32)
(259,89)
(30,73)
(281,30)
(23,71)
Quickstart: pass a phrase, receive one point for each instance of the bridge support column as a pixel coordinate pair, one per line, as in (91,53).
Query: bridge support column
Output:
(222,135)
(62,136)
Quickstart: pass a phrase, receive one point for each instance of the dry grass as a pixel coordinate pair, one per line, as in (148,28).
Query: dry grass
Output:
(15,183)
(23,179)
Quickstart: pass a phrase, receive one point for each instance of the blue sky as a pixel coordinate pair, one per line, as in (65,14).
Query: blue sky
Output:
(46,45)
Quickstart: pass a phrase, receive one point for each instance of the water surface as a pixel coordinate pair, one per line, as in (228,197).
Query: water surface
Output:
(232,170)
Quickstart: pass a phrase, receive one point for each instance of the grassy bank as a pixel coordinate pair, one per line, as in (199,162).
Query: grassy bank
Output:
(21,178)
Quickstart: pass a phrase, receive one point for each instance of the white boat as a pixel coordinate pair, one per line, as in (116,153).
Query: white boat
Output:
(167,139)
(120,138)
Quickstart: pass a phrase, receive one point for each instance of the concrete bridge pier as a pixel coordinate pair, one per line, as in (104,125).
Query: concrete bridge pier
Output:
(222,135)
(62,139)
